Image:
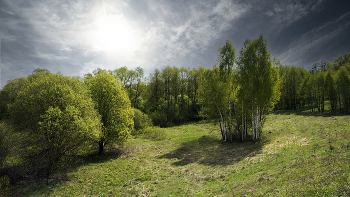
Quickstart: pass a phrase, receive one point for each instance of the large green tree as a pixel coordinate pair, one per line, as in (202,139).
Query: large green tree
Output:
(56,117)
(113,104)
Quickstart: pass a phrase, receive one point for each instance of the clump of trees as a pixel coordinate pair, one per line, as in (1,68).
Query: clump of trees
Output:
(172,96)
(258,85)
(246,92)
(56,117)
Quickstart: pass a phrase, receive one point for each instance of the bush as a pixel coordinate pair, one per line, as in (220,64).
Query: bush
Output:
(141,122)
(114,106)
(55,117)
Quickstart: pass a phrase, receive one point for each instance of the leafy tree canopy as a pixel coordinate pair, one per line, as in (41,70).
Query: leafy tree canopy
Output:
(56,117)
(113,104)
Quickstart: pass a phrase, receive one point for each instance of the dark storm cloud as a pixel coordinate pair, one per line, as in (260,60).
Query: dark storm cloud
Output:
(60,35)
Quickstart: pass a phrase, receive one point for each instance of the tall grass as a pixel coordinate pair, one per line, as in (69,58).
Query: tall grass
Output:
(155,133)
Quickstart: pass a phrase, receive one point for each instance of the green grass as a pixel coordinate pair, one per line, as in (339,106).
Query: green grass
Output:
(300,154)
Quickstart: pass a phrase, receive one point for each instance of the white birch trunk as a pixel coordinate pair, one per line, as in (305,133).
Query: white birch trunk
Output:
(242,135)
(245,125)
(230,123)
(222,119)
(253,126)
(234,108)
(256,123)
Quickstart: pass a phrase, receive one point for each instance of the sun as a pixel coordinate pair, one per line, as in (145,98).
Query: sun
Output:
(113,34)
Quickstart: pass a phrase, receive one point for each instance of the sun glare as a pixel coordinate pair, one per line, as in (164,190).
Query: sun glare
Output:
(113,34)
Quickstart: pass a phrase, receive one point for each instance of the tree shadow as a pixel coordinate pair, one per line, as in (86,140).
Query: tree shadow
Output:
(210,151)
(34,185)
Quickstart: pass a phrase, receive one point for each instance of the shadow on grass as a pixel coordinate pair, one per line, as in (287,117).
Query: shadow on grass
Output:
(209,151)
(30,185)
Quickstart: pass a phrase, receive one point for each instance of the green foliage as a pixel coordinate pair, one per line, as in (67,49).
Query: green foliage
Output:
(255,68)
(5,187)
(4,100)
(59,126)
(9,93)
(227,58)
(141,122)
(172,96)
(217,91)
(316,88)
(343,87)
(132,81)
(291,78)
(113,104)
(165,115)
(55,117)
(259,85)
(213,94)
(342,61)
(6,141)
(330,91)
(253,88)
(155,90)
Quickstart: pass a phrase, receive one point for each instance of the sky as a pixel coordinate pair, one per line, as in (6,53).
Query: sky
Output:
(76,37)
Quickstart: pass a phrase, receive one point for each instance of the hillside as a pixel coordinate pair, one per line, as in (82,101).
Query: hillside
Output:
(300,154)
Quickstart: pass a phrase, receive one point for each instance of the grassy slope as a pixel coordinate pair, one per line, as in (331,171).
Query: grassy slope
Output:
(300,154)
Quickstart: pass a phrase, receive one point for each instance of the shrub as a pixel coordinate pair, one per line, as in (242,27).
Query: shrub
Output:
(141,122)
(113,104)
(55,117)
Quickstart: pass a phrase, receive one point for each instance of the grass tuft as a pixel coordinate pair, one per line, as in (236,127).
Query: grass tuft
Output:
(155,133)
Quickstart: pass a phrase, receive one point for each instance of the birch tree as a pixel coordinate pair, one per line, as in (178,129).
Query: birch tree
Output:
(259,83)
(213,94)
(227,58)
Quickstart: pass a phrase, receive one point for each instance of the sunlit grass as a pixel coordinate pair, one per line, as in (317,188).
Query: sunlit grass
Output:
(300,154)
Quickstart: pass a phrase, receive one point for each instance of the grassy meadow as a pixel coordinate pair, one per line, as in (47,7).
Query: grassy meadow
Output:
(299,154)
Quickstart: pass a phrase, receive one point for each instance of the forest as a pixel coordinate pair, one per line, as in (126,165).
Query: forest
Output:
(52,119)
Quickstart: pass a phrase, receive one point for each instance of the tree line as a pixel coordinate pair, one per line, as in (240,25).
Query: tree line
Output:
(327,84)
(49,118)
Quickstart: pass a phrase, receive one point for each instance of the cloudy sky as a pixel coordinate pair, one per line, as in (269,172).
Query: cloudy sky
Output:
(76,37)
